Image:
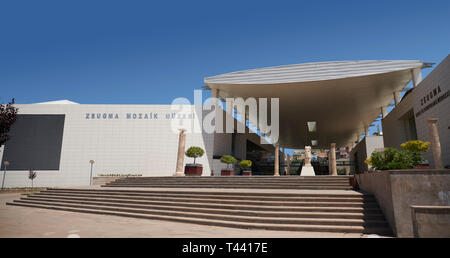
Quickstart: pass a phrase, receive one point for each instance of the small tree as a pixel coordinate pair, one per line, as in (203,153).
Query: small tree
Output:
(31,176)
(245,164)
(195,152)
(8,115)
(228,159)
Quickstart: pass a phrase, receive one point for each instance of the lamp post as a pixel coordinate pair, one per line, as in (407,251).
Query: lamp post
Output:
(5,163)
(92,164)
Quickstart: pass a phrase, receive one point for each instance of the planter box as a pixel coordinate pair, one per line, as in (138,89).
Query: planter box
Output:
(422,166)
(227,172)
(397,190)
(193,170)
(247,173)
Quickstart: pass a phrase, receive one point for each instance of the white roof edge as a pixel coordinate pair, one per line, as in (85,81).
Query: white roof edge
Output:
(62,101)
(318,71)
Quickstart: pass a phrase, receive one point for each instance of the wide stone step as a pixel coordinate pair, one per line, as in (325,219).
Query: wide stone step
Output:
(214,222)
(233,206)
(324,203)
(232,193)
(230,183)
(227,197)
(211,198)
(220,186)
(236,183)
(245,177)
(322,211)
(272,220)
(284,214)
(234,178)
(242,225)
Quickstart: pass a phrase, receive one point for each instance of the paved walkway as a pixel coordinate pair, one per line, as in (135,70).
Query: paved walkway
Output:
(33,222)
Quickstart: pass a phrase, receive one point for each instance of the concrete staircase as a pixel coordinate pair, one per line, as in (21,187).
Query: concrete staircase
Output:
(252,182)
(320,211)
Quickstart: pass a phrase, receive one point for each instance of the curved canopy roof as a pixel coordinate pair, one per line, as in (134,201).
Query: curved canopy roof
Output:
(341,97)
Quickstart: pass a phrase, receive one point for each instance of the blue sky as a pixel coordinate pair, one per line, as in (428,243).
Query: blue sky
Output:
(150,52)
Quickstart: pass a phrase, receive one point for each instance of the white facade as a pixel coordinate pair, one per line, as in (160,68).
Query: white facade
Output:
(429,99)
(122,139)
(138,144)
(432,100)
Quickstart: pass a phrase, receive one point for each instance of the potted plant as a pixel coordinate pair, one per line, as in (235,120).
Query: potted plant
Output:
(246,166)
(227,159)
(194,169)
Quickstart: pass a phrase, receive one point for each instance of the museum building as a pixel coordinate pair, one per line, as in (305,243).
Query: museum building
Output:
(58,139)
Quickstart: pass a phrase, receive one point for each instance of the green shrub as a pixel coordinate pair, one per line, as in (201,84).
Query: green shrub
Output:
(228,159)
(415,148)
(245,164)
(392,158)
(195,152)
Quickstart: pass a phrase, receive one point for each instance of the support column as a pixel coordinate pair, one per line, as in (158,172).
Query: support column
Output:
(416,76)
(329,162)
(383,112)
(180,157)
(397,97)
(214,93)
(332,161)
(218,119)
(277,163)
(347,168)
(435,143)
(366,131)
(283,158)
(288,161)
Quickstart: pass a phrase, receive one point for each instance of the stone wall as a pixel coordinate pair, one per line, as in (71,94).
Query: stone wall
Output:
(363,150)
(379,184)
(431,221)
(397,190)
(357,156)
